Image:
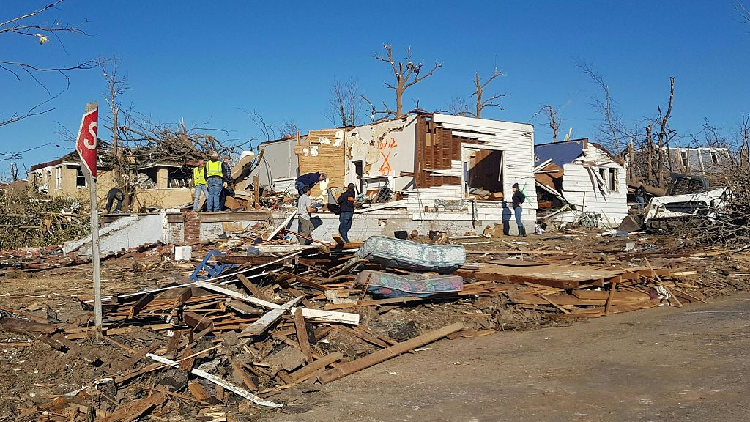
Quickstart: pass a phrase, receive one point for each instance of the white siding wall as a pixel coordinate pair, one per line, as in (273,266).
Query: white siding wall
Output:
(581,190)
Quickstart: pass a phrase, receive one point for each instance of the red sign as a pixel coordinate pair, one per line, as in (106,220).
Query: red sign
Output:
(86,143)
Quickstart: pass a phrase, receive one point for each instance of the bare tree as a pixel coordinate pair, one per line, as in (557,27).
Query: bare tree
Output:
(27,25)
(553,117)
(345,103)
(479,88)
(288,128)
(743,11)
(116,85)
(611,128)
(665,134)
(406,73)
(458,107)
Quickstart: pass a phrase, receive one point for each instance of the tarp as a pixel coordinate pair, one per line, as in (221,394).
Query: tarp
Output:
(405,254)
(416,284)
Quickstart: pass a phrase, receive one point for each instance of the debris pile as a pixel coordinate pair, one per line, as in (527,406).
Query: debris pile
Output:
(254,331)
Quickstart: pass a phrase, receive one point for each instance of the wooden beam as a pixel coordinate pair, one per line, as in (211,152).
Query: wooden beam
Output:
(302,337)
(262,324)
(385,354)
(307,371)
(135,409)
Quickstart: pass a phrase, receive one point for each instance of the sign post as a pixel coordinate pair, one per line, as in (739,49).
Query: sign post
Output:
(86,147)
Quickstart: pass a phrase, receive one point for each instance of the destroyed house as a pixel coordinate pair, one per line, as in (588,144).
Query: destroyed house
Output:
(580,181)
(706,162)
(159,185)
(431,171)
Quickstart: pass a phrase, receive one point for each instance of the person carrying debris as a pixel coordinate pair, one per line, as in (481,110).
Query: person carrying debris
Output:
(214,179)
(518,198)
(114,194)
(304,208)
(199,182)
(308,180)
(346,202)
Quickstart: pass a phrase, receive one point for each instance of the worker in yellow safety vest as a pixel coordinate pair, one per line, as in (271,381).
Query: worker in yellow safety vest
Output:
(215,182)
(199,182)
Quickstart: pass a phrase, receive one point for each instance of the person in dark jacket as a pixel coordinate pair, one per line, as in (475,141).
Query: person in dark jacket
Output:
(308,180)
(518,198)
(346,202)
(227,188)
(114,195)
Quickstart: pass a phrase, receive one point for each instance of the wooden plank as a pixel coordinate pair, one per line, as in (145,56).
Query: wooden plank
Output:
(135,409)
(319,315)
(140,304)
(255,301)
(197,390)
(241,375)
(218,381)
(302,337)
(262,324)
(307,371)
(385,354)
(252,288)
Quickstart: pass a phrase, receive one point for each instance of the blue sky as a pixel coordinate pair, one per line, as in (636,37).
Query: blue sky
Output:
(205,62)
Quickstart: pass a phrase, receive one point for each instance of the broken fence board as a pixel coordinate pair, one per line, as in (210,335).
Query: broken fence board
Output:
(302,337)
(218,381)
(385,354)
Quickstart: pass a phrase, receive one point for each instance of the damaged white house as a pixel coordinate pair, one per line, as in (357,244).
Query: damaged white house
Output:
(440,172)
(581,181)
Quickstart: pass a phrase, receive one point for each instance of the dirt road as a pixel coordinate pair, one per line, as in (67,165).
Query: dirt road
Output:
(663,364)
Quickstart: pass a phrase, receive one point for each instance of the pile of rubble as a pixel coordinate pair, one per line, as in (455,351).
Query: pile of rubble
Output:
(242,332)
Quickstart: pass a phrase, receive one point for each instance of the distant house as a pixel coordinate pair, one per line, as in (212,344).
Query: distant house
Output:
(159,185)
(706,162)
(584,176)
(451,172)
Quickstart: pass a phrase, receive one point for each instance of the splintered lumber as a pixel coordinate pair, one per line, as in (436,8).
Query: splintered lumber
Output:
(252,288)
(136,409)
(318,315)
(260,302)
(387,353)
(282,225)
(218,381)
(138,306)
(302,337)
(307,371)
(608,305)
(262,324)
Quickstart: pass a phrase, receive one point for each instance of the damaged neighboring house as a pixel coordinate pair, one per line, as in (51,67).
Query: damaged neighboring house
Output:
(580,181)
(425,171)
(706,162)
(159,185)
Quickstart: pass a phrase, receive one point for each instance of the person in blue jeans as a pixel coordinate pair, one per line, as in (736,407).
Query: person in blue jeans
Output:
(199,182)
(518,198)
(215,182)
(346,204)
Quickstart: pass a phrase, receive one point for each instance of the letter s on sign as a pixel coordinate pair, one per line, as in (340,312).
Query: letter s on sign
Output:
(90,143)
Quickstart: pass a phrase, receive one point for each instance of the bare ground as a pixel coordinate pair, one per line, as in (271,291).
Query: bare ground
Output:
(662,364)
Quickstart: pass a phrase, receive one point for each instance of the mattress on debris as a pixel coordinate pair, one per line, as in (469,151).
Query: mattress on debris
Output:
(416,284)
(405,254)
